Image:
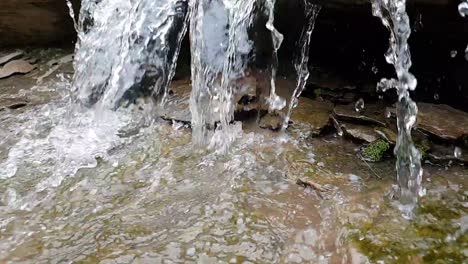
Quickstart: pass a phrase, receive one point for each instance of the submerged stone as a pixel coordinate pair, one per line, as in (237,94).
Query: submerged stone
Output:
(313,113)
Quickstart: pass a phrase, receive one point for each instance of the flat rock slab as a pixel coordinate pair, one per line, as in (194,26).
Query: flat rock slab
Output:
(14,67)
(371,114)
(12,56)
(359,132)
(443,121)
(313,113)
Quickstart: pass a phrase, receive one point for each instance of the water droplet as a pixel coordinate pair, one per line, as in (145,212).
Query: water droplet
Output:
(375,70)
(388,113)
(457,152)
(436,96)
(463,9)
(359,106)
(453,53)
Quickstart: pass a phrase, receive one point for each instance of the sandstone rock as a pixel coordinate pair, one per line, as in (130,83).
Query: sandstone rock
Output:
(359,132)
(443,121)
(313,113)
(12,56)
(371,114)
(16,66)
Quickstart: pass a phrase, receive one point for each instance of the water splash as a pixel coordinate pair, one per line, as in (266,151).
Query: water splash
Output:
(127,49)
(72,15)
(463,11)
(275,101)
(302,62)
(220,46)
(359,105)
(409,171)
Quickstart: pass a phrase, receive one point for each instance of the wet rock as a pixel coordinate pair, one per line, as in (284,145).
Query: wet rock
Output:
(12,104)
(271,121)
(15,67)
(12,56)
(371,114)
(177,105)
(387,134)
(315,114)
(359,132)
(443,121)
(445,154)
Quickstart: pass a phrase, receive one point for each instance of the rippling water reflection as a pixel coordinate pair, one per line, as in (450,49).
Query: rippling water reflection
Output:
(120,188)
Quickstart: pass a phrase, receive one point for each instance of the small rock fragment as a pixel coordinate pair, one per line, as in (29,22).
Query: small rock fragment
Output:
(11,56)
(14,67)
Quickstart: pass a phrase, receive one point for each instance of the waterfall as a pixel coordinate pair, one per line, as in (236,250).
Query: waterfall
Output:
(301,63)
(409,171)
(275,101)
(220,47)
(127,49)
(72,15)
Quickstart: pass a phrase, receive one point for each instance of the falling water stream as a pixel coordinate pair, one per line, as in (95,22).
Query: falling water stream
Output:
(127,49)
(409,170)
(220,48)
(302,60)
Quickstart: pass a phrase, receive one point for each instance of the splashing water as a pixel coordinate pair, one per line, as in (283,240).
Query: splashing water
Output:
(302,62)
(359,105)
(72,15)
(275,101)
(127,49)
(409,171)
(220,46)
(463,11)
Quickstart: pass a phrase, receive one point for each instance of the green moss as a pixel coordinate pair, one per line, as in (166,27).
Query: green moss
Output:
(376,150)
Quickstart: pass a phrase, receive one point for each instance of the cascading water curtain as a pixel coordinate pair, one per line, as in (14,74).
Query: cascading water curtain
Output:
(127,49)
(409,170)
(219,46)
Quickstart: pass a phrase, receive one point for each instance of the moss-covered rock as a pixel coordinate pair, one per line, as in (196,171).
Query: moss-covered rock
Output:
(375,151)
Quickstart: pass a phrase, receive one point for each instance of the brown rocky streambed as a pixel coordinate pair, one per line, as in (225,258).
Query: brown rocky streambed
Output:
(77,187)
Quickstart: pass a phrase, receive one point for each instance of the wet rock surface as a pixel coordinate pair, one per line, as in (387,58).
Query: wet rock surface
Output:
(16,67)
(373,114)
(443,121)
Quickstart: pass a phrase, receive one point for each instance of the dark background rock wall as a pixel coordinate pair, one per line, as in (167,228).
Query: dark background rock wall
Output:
(35,22)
